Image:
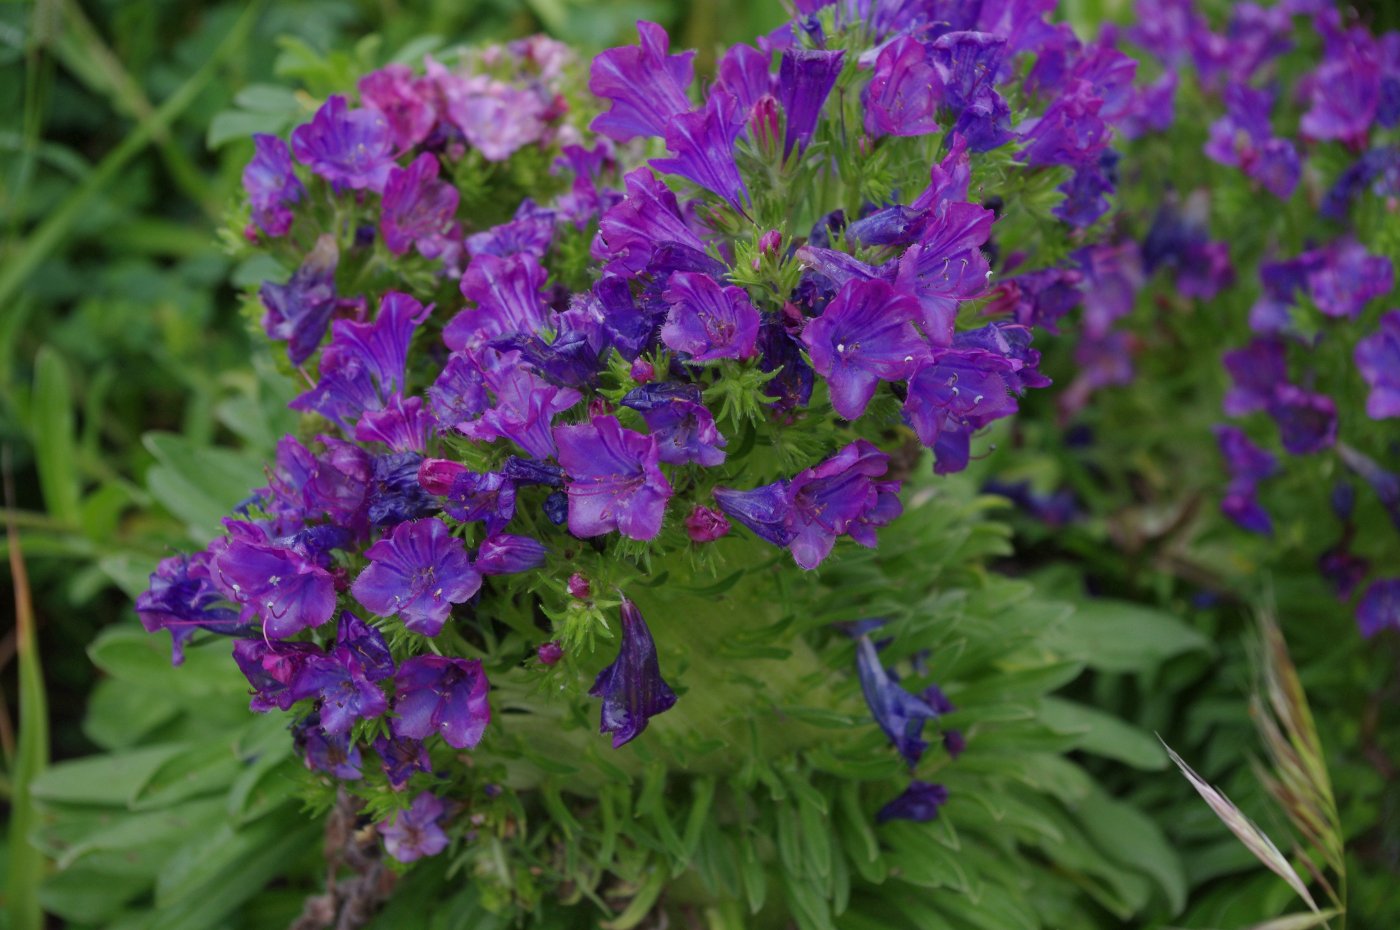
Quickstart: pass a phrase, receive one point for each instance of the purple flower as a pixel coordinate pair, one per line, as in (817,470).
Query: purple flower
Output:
(496,118)
(1345,90)
(349,148)
(394,493)
(646,86)
(707,321)
(919,802)
(807,513)
(459,393)
(865,336)
(365,645)
(1385,484)
(363,367)
(899,713)
(1243,138)
(1379,608)
(646,219)
(549,653)
(705,524)
(523,411)
(613,479)
(703,146)
(968,63)
(402,425)
(1379,168)
(436,694)
(418,209)
(632,688)
(509,554)
(1307,422)
(183,599)
(1154,110)
(1086,192)
(345,693)
(509,296)
(1343,570)
(1346,277)
(1258,370)
(299,311)
(779,352)
(405,101)
(333,754)
(1378,359)
(401,758)
(1243,458)
(1071,131)
(946,266)
(485,496)
(684,428)
(966,387)
(904,91)
(418,572)
(805,79)
(289,592)
(271,668)
(271,184)
(415,833)
(1112,277)
(531,230)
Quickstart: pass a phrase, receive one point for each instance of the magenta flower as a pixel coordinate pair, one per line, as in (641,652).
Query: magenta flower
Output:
(405,101)
(632,688)
(707,321)
(349,148)
(904,92)
(363,367)
(272,185)
(613,479)
(646,85)
(418,209)
(436,694)
(865,336)
(509,296)
(946,266)
(402,424)
(270,668)
(702,144)
(1378,359)
(412,834)
(523,409)
(496,118)
(645,220)
(705,524)
(417,573)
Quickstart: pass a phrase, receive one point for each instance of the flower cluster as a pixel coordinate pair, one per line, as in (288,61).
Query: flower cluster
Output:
(512,417)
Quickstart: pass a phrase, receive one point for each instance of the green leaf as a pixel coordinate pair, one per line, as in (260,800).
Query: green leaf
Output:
(212,875)
(110,779)
(1103,734)
(1133,839)
(1118,636)
(137,657)
(199,485)
(53,433)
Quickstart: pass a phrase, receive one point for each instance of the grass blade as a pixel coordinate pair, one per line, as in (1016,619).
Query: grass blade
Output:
(26,864)
(51,430)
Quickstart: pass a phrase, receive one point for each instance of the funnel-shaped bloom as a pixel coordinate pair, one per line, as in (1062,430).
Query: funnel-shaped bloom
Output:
(418,573)
(436,694)
(632,688)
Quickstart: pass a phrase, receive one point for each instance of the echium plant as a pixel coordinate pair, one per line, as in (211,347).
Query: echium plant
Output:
(597,438)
